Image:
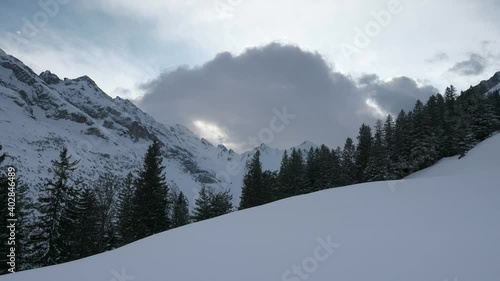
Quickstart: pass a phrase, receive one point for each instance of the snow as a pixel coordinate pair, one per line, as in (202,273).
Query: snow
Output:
(33,139)
(486,153)
(439,224)
(496,88)
(2,53)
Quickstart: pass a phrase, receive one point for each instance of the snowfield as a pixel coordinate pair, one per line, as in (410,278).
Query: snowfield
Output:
(440,224)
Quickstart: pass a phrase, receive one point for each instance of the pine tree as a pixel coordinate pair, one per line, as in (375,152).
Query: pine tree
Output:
(388,143)
(203,205)
(270,181)
(376,170)
(297,174)
(106,190)
(494,101)
(55,205)
(221,203)
(363,151)
(180,214)
(86,233)
(125,219)
(348,163)
(210,205)
(150,204)
(402,145)
(313,169)
(450,122)
(484,120)
(253,193)
(437,108)
(335,169)
(329,168)
(423,147)
(284,179)
(464,136)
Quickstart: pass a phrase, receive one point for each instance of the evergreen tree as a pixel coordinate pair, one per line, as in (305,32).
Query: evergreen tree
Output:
(284,178)
(85,237)
(423,147)
(388,143)
(297,174)
(253,193)
(450,123)
(203,205)
(270,181)
(335,169)
(484,119)
(313,169)
(106,190)
(494,102)
(150,204)
(125,219)
(402,145)
(221,203)
(464,136)
(180,214)
(55,206)
(363,151)
(376,170)
(436,108)
(348,163)
(210,205)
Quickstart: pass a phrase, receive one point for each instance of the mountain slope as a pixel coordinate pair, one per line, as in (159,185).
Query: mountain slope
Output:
(443,227)
(41,113)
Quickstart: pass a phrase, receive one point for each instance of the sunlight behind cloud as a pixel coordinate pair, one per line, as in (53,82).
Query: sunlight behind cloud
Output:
(210,131)
(377,111)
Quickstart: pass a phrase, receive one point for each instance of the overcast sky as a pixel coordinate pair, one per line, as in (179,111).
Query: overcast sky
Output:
(225,67)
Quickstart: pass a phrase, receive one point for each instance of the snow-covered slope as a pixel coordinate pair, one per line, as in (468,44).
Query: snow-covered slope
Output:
(441,224)
(41,113)
(484,158)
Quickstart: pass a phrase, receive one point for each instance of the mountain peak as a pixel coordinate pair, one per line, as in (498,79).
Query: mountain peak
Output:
(49,77)
(89,81)
(2,53)
(491,84)
(306,145)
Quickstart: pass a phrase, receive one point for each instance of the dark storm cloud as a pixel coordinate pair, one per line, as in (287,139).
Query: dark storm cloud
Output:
(239,93)
(396,94)
(475,65)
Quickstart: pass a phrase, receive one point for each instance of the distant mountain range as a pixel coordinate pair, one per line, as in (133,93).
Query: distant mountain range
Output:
(39,114)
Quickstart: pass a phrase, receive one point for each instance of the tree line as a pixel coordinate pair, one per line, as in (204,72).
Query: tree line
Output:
(72,219)
(446,125)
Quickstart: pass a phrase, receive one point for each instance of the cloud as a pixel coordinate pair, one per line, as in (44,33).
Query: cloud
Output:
(475,65)
(238,95)
(395,94)
(438,57)
(114,70)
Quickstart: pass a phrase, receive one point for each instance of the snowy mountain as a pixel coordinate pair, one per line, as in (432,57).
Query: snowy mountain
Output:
(490,85)
(439,224)
(41,113)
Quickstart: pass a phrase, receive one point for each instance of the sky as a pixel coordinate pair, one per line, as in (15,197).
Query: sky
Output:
(280,72)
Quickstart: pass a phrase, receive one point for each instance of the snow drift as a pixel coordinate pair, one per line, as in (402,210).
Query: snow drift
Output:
(440,224)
